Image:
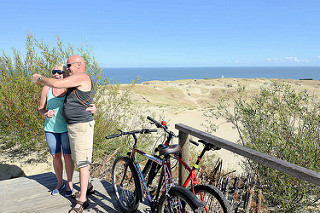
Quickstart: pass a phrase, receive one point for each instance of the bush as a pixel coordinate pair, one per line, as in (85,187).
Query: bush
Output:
(21,126)
(282,123)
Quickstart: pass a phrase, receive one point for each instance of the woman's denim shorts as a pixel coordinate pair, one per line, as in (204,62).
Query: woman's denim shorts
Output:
(57,140)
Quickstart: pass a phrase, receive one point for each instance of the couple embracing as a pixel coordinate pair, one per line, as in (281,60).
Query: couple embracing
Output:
(66,103)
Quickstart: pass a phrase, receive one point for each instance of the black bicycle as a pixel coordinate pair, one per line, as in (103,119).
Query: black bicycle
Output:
(127,178)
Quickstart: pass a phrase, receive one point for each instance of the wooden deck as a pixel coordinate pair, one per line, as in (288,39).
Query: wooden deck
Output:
(32,194)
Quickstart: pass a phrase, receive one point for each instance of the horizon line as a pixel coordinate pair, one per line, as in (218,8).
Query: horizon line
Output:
(134,67)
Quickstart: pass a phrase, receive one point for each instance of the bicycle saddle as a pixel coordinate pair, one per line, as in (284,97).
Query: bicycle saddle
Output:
(166,150)
(209,145)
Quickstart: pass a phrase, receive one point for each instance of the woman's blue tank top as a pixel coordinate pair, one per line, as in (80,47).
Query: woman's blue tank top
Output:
(57,123)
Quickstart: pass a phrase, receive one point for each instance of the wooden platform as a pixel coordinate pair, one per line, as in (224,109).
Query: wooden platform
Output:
(32,194)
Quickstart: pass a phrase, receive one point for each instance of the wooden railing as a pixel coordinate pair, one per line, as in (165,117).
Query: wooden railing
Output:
(275,163)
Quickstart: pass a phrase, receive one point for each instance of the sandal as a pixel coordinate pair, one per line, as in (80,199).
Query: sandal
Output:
(83,206)
(90,191)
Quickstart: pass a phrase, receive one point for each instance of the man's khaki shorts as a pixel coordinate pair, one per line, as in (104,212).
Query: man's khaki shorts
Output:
(81,142)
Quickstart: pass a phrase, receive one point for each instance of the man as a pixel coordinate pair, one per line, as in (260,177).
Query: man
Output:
(79,119)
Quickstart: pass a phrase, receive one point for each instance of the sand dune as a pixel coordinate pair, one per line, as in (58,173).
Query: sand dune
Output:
(185,101)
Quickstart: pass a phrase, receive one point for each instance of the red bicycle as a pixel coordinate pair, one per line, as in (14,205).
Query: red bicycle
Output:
(212,196)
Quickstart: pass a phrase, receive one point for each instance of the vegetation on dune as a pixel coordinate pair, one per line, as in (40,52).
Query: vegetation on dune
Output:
(282,123)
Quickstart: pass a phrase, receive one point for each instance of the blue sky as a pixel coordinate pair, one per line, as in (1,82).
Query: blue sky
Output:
(173,33)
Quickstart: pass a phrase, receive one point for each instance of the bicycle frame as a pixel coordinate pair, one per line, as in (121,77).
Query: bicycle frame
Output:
(165,174)
(192,175)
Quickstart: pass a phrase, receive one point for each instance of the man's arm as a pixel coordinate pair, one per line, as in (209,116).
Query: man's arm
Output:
(76,80)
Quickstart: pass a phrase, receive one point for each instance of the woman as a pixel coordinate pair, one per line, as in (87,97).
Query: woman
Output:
(56,132)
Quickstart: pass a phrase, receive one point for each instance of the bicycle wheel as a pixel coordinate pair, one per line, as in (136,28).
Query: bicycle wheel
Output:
(125,182)
(179,200)
(213,197)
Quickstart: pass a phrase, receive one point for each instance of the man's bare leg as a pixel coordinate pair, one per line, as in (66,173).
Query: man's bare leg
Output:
(84,180)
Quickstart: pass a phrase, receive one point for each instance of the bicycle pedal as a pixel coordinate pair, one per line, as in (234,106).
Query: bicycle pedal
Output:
(148,210)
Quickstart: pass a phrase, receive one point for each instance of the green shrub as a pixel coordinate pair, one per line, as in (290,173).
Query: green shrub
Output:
(282,123)
(21,126)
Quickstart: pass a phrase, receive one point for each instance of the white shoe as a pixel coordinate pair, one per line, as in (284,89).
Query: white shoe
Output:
(57,191)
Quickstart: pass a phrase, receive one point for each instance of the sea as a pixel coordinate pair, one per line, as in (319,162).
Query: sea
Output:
(127,75)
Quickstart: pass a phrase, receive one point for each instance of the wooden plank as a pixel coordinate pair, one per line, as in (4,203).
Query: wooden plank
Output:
(275,163)
(32,194)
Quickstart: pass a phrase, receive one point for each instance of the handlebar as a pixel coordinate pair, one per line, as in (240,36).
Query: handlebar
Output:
(141,131)
(157,123)
(160,125)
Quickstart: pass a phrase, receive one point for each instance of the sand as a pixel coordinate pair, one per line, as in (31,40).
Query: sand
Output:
(181,101)
(30,163)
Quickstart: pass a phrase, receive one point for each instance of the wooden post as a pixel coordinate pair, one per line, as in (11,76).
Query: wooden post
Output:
(185,154)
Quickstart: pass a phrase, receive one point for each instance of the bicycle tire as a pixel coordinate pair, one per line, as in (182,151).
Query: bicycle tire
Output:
(213,197)
(146,168)
(127,188)
(179,200)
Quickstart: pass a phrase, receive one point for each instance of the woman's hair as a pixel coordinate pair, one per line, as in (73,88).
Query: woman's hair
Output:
(61,67)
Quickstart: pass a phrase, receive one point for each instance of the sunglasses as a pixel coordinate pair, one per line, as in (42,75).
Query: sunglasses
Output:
(57,71)
(69,65)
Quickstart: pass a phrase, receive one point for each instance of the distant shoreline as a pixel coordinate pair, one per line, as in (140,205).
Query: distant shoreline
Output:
(165,67)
